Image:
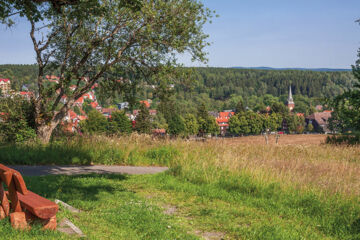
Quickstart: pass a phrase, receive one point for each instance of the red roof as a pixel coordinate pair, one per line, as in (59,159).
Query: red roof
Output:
(72,114)
(26,93)
(82,117)
(159,131)
(147,104)
(222,120)
(80,100)
(299,114)
(94,104)
(4,79)
(226,114)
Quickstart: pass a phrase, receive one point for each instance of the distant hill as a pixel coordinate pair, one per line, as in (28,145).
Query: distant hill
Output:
(301,69)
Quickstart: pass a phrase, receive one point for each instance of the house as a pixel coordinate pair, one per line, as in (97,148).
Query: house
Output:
(27,95)
(152,112)
(223,121)
(52,78)
(300,114)
(159,132)
(108,111)
(320,121)
(319,108)
(123,105)
(5,86)
(147,104)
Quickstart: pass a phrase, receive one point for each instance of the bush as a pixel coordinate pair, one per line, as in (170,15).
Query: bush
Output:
(343,139)
(16,120)
(120,124)
(96,123)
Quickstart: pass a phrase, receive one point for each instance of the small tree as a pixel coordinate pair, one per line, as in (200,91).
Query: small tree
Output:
(176,125)
(95,123)
(238,125)
(143,123)
(16,120)
(207,123)
(120,123)
(191,125)
(240,107)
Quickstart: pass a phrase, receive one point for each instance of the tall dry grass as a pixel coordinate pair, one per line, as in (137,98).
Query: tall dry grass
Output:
(326,168)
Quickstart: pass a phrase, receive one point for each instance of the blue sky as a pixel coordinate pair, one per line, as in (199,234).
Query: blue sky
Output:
(250,33)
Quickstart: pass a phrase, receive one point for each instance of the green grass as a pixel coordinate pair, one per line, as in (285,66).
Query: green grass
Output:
(132,207)
(215,188)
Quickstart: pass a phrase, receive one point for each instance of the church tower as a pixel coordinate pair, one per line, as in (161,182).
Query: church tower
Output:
(290,101)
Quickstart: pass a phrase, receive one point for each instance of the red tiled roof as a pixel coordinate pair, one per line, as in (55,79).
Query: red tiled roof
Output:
(226,114)
(147,104)
(94,104)
(159,131)
(108,110)
(4,80)
(80,100)
(221,120)
(321,117)
(82,118)
(299,114)
(72,114)
(26,93)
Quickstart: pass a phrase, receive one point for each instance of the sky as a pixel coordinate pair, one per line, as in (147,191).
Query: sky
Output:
(253,33)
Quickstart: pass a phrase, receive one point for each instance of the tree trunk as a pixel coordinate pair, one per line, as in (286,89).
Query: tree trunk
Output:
(44,132)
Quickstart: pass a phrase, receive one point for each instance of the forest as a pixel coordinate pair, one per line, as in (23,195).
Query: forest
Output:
(223,88)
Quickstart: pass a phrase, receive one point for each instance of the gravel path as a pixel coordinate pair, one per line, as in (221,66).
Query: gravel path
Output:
(72,170)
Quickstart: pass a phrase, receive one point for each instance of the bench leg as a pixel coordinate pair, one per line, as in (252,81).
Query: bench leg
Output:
(2,213)
(50,224)
(9,181)
(18,221)
(4,201)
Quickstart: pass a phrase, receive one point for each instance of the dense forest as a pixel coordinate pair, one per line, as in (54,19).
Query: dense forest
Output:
(223,88)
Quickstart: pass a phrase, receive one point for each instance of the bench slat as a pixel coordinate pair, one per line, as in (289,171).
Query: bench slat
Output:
(37,205)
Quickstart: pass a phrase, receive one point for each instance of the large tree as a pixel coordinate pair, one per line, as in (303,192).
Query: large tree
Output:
(83,40)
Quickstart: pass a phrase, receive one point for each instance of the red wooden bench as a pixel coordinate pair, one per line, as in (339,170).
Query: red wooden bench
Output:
(25,206)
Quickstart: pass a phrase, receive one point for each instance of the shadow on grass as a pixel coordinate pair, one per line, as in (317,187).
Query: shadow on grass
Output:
(77,187)
(41,155)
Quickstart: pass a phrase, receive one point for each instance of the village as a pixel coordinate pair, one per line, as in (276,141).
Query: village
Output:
(318,120)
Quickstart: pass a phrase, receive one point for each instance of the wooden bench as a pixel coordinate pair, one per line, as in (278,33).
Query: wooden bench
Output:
(24,206)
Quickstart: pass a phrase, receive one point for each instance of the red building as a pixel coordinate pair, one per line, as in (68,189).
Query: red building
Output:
(223,121)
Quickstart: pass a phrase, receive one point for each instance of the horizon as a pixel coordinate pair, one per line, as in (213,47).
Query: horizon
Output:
(252,34)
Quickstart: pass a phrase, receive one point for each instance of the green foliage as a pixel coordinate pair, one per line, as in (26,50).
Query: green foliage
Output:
(143,123)
(95,123)
(239,125)
(310,127)
(16,120)
(240,107)
(207,123)
(272,122)
(119,123)
(159,122)
(191,125)
(176,125)
(295,123)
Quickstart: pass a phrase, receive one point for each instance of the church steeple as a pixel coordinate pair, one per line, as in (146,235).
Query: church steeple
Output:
(290,100)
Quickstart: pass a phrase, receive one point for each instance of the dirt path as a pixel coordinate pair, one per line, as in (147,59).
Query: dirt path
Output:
(72,170)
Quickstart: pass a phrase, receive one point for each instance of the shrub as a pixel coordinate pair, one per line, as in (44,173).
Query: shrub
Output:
(120,124)
(96,123)
(17,120)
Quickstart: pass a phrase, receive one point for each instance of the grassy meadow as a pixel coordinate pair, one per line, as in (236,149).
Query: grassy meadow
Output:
(228,188)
